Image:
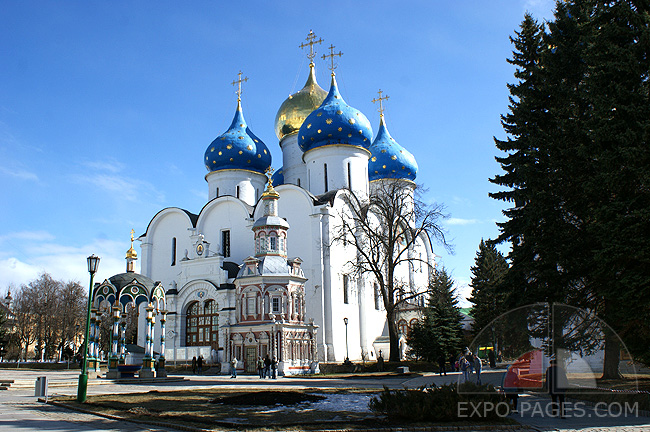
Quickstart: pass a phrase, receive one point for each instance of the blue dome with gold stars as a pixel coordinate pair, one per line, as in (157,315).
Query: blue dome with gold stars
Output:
(334,122)
(389,160)
(237,148)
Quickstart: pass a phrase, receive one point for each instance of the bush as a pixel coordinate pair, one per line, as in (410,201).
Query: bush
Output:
(440,403)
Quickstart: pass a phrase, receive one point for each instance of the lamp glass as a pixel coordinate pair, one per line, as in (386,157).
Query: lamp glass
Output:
(345,320)
(93,264)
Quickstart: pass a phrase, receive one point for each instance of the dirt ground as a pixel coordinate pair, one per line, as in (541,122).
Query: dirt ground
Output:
(220,409)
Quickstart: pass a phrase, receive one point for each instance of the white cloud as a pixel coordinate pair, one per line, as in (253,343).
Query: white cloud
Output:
(61,262)
(124,188)
(460,221)
(110,165)
(19,173)
(540,9)
(27,235)
(463,291)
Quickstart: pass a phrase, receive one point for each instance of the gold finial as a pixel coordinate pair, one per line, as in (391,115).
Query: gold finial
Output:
(311,41)
(131,253)
(269,192)
(331,55)
(381,105)
(269,174)
(238,84)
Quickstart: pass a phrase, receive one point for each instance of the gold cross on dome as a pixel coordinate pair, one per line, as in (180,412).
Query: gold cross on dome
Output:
(132,232)
(311,41)
(238,84)
(380,99)
(331,55)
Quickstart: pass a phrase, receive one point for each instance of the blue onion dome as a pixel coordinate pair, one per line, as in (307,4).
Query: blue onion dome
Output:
(334,122)
(237,148)
(278,177)
(389,160)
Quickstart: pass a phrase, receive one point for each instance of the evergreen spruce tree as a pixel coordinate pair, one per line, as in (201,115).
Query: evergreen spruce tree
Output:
(488,293)
(440,332)
(576,168)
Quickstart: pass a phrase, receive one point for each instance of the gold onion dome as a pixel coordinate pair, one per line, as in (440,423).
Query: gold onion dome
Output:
(295,109)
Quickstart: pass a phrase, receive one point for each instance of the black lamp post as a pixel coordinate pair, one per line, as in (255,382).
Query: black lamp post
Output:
(93,264)
(347,354)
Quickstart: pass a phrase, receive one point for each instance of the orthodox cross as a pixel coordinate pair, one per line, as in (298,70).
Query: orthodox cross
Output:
(331,55)
(238,83)
(132,232)
(380,99)
(311,41)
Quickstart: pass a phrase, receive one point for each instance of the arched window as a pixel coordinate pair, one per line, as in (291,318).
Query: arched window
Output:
(402,327)
(202,324)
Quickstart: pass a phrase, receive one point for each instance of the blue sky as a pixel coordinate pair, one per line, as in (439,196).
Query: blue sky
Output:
(106,109)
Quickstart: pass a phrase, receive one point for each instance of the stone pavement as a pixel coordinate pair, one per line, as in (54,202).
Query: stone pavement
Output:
(20,411)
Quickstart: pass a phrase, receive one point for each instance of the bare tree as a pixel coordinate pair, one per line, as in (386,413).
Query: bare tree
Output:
(74,300)
(385,229)
(25,323)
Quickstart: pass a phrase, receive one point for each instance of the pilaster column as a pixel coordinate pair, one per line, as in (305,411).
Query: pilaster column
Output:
(123,341)
(116,331)
(147,370)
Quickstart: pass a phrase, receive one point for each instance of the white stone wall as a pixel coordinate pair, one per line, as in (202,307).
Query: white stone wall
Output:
(250,184)
(292,164)
(337,158)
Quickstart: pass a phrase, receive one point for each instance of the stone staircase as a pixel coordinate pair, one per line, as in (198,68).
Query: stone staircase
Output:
(5,384)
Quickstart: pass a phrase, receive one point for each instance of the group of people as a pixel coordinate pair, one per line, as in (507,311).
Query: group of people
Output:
(469,363)
(197,365)
(267,367)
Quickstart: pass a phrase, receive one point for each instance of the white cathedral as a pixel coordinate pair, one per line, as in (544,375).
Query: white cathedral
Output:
(255,272)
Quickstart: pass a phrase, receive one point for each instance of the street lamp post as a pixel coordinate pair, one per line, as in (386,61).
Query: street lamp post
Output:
(93,264)
(347,354)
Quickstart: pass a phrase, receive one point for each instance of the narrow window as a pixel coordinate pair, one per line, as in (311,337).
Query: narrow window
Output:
(377,299)
(349,177)
(217,192)
(298,182)
(251,306)
(173,251)
(346,299)
(274,243)
(237,191)
(276,304)
(225,243)
(257,194)
(325,175)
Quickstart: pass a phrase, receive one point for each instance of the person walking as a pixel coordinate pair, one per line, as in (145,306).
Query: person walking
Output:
(260,367)
(267,366)
(492,359)
(478,367)
(464,368)
(194,365)
(274,368)
(557,383)
(233,367)
(199,364)
(441,365)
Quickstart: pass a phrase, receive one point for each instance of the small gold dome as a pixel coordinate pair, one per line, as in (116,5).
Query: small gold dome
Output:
(131,253)
(295,109)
